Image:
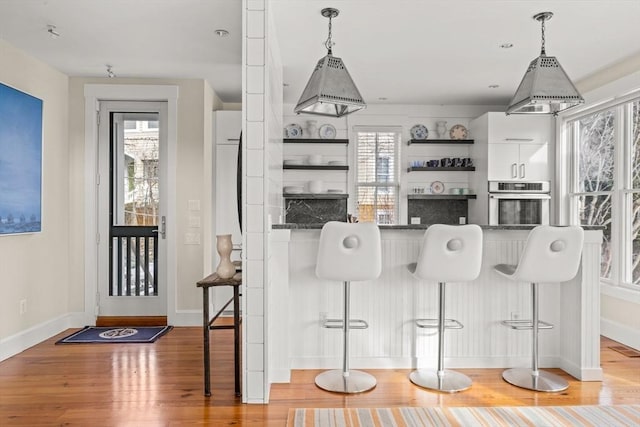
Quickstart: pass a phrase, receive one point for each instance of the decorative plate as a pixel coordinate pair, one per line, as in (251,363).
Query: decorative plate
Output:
(327,131)
(437,187)
(419,132)
(458,132)
(292,131)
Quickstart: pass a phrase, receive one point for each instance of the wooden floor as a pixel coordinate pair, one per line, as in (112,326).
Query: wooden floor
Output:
(160,384)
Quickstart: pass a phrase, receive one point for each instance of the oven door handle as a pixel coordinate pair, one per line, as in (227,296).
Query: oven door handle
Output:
(520,196)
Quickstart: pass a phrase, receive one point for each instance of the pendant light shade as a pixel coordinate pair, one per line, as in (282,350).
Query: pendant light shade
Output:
(545,87)
(330,90)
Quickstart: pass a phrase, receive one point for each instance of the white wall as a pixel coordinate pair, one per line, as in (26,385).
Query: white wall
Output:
(262,187)
(36,267)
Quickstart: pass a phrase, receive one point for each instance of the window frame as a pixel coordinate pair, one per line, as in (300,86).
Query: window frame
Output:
(621,276)
(395,182)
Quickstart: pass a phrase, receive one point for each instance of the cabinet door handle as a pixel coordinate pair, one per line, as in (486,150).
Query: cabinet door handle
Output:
(519,139)
(522,171)
(514,170)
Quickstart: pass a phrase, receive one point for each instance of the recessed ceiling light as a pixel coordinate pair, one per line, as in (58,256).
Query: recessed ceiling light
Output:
(383,98)
(506,45)
(53,32)
(494,86)
(285,84)
(222,33)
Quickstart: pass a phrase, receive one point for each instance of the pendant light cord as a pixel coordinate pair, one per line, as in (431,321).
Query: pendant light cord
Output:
(329,43)
(543,51)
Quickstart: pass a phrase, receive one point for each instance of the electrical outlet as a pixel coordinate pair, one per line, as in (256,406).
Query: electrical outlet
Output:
(23,306)
(462,220)
(415,220)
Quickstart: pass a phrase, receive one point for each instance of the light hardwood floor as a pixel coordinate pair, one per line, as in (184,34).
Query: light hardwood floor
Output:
(160,384)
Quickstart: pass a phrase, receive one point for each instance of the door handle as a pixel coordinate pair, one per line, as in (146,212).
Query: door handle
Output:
(163,227)
(522,170)
(514,170)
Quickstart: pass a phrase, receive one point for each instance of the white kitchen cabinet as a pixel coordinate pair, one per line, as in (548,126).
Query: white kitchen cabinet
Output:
(516,161)
(508,148)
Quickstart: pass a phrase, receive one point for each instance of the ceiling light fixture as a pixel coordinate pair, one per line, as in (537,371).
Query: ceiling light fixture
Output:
(545,87)
(222,33)
(110,72)
(330,90)
(53,32)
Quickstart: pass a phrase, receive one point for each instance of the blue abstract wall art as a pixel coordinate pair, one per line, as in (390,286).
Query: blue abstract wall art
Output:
(20,162)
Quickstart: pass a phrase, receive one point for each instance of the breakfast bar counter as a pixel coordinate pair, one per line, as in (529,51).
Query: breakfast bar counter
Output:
(299,301)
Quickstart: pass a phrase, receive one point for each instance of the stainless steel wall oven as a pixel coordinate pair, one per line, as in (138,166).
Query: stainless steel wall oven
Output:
(519,203)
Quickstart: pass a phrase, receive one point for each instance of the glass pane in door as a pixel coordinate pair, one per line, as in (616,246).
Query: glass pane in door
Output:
(139,170)
(135,204)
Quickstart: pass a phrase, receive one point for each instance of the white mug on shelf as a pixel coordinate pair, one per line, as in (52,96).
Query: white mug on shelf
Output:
(315,186)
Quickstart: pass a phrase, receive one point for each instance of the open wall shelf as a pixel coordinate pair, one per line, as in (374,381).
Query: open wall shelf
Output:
(440,141)
(443,169)
(314,141)
(317,167)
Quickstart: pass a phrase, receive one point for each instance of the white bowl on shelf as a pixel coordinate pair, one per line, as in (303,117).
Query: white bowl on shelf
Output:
(292,189)
(314,159)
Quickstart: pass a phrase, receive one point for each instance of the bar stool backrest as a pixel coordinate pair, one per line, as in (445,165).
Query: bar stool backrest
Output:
(349,251)
(450,253)
(551,254)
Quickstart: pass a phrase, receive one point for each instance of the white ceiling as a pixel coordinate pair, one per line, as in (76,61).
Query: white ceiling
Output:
(408,51)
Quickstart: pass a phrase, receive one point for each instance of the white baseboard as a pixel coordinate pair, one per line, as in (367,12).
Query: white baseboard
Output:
(413,363)
(17,343)
(280,376)
(185,318)
(624,334)
(582,374)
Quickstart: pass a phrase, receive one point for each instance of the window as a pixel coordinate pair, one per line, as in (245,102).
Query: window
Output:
(377,177)
(604,185)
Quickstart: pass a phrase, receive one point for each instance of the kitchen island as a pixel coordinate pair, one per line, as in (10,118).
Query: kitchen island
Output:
(299,301)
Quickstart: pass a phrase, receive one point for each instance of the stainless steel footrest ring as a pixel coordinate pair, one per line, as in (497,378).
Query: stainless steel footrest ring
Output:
(445,381)
(337,324)
(354,382)
(433,324)
(526,324)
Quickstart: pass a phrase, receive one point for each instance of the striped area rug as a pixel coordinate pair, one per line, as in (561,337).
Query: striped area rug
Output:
(547,416)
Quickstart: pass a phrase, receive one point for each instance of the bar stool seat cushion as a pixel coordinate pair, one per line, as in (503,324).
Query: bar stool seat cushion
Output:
(551,254)
(349,251)
(450,253)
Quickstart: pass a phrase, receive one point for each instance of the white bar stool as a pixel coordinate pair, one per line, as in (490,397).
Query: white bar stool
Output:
(348,251)
(449,253)
(551,254)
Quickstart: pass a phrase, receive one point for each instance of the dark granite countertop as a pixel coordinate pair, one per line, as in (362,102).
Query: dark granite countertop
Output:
(315,196)
(420,227)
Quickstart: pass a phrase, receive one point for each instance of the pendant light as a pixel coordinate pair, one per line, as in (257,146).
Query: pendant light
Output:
(545,87)
(330,90)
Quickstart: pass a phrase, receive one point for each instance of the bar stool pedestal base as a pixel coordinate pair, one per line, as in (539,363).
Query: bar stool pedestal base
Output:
(544,381)
(449,382)
(355,382)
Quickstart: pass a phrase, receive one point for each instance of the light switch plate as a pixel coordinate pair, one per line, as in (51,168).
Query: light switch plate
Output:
(194,205)
(415,220)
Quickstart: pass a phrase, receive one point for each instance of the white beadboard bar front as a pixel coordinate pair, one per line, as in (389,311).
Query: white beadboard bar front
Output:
(391,304)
